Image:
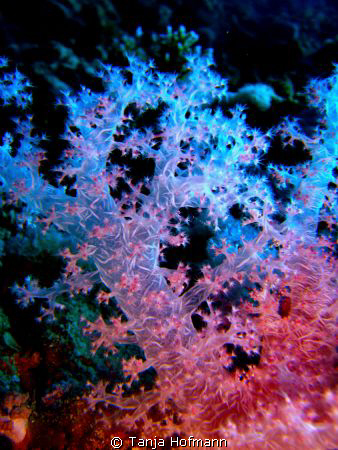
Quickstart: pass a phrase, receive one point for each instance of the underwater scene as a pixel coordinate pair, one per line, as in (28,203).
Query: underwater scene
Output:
(168,224)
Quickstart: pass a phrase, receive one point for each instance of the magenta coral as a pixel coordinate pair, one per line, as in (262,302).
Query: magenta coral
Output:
(261,376)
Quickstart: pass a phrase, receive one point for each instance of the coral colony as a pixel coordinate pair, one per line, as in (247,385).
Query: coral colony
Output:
(242,349)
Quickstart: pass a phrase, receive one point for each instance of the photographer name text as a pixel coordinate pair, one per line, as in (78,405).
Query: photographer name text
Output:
(178,442)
